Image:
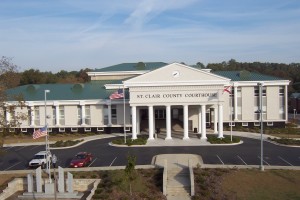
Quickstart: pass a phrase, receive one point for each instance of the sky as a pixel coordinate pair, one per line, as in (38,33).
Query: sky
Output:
(54,35)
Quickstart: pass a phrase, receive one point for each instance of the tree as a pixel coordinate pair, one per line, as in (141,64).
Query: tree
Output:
(12,105)
(200,65)
(130,170)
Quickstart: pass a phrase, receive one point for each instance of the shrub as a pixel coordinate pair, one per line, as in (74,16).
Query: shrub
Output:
(67,143)
(142,140)
(286,141)
(215,140)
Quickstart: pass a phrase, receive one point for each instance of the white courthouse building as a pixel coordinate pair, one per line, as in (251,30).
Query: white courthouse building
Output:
(172,97)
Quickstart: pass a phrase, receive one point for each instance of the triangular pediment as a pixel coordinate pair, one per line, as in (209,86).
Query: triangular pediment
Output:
(177,74)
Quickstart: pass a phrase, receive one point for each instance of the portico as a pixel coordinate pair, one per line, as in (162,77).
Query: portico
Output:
(189,90)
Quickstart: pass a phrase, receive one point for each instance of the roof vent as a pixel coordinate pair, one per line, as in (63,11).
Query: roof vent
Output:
(32,88)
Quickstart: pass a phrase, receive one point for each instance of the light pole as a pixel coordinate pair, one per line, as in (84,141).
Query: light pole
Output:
(294,113)
(260,85)
(47,143)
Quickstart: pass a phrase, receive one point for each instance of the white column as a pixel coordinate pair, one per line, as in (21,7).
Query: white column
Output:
(215,120)
(109,114)
(57,115)
(235,102)
(82,114)
(186,122)
(203,122)
(138,121)
(150,118)
(133,112)
(220,121)
(199,120)
(32,115)
(168,122)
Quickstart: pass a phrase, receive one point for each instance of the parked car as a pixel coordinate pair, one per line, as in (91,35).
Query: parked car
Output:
(82,159)
(40,159)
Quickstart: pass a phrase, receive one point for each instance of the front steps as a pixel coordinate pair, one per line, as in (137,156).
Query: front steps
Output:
(178,184)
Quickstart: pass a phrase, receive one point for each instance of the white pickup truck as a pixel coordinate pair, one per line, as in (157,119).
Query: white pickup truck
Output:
(40,159)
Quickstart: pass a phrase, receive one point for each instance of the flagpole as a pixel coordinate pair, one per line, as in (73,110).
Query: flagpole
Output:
(231,112)
(47,142)
(124,114)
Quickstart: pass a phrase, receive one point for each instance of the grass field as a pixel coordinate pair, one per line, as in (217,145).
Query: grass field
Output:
(225,184)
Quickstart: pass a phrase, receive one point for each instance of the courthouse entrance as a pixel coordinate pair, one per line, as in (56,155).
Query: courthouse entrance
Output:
(176,96)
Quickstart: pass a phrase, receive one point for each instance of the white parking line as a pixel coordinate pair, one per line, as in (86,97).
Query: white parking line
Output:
(284,160)
(92,162)
(241,159)
(12,166)
(7,148)
(21,148)
(264,160)
(112,162)
(34,147)
(220,159)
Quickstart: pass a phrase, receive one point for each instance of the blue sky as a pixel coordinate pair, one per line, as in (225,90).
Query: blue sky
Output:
(51,35)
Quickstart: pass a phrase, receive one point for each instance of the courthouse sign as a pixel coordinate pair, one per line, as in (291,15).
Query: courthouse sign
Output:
(139,97)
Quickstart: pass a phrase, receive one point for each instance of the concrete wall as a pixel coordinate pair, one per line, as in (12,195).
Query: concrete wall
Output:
(272,102)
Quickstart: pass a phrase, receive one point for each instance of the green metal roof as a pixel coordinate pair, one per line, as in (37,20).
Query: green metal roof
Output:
(132,67)
(91,90)
(246,76)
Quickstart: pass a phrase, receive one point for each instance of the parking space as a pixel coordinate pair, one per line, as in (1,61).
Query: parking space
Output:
(246,160)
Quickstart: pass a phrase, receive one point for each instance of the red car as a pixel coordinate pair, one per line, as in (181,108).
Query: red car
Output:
(82,159)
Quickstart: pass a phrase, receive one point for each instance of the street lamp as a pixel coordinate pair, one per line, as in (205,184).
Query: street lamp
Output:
(47,144)
(260,85)
(294,113)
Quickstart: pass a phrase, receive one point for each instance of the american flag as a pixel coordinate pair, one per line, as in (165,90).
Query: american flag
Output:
(41,132)
(117,94)
(227,89)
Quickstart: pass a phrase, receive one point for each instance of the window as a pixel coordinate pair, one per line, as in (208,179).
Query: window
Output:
(105,113)
(79,115)
(256,123)
(256,91)
(53,115)
(160,114)
(74,130)
(231,123)
(29,118)
(61,130)
(100,129)
(24,130)
(61,115)
(245,124)
(36,115)
(87,129)
(114,114)
(269,123)
(281,90)
(11,130)
(49,130)
(88,115)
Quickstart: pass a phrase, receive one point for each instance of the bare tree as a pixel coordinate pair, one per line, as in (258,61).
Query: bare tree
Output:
(12,106)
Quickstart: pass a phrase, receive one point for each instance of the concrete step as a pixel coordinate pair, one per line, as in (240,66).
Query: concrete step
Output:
(179,197)
(176,191)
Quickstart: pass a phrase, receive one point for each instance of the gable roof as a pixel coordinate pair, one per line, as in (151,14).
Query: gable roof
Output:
(185,75)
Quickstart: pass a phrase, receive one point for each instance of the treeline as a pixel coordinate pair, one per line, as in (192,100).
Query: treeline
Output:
(34,76)
(286,71)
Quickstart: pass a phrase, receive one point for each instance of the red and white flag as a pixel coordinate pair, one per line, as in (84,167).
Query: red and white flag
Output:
(227,89)
(117,94)
(41,132)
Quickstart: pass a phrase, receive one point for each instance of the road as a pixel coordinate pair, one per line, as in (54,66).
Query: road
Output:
(248,153)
